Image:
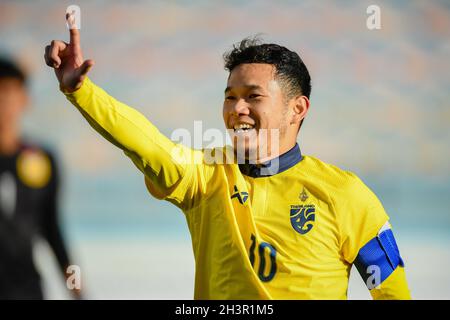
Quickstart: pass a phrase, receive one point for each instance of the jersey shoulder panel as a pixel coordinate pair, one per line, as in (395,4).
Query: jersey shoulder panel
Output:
(330,176)
(359,213)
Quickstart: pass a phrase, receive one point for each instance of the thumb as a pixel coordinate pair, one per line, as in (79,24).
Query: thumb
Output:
(85,67)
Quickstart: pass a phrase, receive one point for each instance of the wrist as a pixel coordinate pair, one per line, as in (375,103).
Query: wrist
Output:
(67,90)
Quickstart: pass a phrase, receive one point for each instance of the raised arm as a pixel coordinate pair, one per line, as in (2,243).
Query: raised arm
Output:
(169,169)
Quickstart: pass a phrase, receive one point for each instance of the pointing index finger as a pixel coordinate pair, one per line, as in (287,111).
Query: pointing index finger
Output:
(74,32)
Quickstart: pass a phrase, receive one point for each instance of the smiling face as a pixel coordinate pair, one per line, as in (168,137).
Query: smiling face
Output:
(261,122)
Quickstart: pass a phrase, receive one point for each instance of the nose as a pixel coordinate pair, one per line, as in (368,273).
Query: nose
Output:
(240,108)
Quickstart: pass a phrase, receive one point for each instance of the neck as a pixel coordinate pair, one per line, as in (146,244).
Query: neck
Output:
(9,141)
(282,162)
(283,149)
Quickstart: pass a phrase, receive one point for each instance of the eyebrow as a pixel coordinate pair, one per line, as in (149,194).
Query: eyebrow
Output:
(248,86)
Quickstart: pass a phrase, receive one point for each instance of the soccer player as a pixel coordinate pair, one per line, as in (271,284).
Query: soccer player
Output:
(28,195)
(257,233)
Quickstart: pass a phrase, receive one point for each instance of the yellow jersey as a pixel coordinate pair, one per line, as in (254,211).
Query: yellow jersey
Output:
(293,234)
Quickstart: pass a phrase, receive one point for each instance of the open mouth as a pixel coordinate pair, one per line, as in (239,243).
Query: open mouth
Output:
(243,128)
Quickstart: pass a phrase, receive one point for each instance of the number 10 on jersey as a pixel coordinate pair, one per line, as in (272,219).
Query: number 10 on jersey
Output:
(266,254)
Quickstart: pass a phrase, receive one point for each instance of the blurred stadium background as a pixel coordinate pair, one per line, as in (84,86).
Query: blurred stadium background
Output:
(380,108)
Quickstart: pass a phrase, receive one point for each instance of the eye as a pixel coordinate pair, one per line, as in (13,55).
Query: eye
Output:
(254,96)
(230,98)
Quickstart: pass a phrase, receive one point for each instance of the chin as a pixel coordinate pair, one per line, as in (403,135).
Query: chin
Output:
(246,151)
(250,145)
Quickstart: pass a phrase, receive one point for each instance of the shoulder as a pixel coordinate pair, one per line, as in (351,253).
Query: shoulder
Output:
(343,187)
(354,200)
(332,176)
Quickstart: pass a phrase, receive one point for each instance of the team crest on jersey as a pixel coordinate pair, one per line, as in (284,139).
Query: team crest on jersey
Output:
(303,217)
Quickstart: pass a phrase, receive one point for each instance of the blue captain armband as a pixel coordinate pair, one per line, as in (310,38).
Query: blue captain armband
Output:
(378,258)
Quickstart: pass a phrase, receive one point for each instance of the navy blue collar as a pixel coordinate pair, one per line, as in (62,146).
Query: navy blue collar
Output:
(273,166)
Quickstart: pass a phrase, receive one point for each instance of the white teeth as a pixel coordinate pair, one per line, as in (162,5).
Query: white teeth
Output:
(242,126)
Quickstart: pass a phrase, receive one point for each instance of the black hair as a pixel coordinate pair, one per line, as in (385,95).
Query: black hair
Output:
(9,69)
(290,69)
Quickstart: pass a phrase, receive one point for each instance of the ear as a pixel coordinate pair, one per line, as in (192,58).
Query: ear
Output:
(299,106)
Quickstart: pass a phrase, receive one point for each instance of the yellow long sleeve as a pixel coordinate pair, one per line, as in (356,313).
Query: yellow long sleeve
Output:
(394,287)
(167,166)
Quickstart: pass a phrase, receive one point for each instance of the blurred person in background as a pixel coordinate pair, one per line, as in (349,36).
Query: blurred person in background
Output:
(29,185)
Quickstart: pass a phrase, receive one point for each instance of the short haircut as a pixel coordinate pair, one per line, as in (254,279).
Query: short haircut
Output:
(290,69)
(10,69)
